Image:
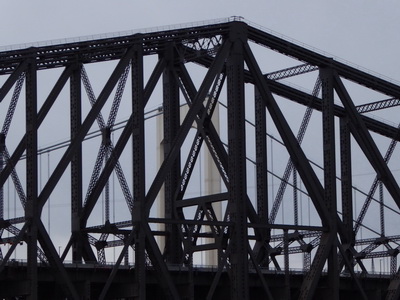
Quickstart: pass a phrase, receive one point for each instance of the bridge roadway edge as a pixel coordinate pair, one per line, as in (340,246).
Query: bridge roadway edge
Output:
(89,281)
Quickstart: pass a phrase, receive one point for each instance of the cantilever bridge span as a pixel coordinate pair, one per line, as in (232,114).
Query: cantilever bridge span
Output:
(199,162)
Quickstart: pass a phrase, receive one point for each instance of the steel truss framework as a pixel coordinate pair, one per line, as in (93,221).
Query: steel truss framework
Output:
(244,236)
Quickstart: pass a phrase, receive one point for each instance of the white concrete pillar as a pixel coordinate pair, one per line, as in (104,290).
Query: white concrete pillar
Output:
(211,180)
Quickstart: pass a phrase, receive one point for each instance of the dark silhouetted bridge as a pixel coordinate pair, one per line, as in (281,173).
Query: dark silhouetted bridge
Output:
(204,161)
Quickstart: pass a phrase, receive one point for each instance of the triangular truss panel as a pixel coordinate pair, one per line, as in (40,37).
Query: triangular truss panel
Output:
(204,162)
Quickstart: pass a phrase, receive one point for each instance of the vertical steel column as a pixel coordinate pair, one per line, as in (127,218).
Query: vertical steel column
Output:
(173,248)
(139,188)
(261,173)
(31,209)
(261,158)
(346,180)
(286,262)
(2,149)
(295,198)
(328,126)
(237,163)
(381,209)
(76,165)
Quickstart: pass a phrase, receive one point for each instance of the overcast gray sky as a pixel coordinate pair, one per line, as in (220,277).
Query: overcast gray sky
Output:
(364,32)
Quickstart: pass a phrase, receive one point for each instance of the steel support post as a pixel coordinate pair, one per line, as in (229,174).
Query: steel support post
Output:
(139,190)
(261,158)
(381,209)
(261,174)
(286,262)
(31,209)
(346,180)
(76,165)
(328,127)
(237,164)
(173,248)
(2,150)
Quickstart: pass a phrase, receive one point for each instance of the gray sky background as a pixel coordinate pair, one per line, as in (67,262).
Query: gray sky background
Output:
(363,32)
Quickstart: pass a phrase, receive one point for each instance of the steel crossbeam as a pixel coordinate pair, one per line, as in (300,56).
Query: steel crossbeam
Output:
(378,105)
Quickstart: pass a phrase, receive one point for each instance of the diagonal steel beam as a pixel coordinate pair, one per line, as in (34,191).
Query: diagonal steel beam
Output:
(55,261)
(204,116)
(87,123)
(217,150)
(220,156)
(13,104)
(311,181)
(123,139)
(206,129)
(316,103)
(10,251)
(367,145)
(314,58)
(41,116)
(96,171)
(260,274)
(223,264)
(158,262)
(372,190)
(106,147)
(188,121)
(114,270)
(351,270)
(12,79)
(311,279)
(308,176)
(107,170)
(289,165)
(91,96)
(393,290)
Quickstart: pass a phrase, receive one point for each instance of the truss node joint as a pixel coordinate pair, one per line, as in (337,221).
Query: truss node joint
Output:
(393,252)
(306,248)
(106,135)
(295,236)
(4,223)
(100,245)
(381,240)
(275,251)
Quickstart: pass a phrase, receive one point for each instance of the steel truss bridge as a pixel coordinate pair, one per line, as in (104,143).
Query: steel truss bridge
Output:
(304,177)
